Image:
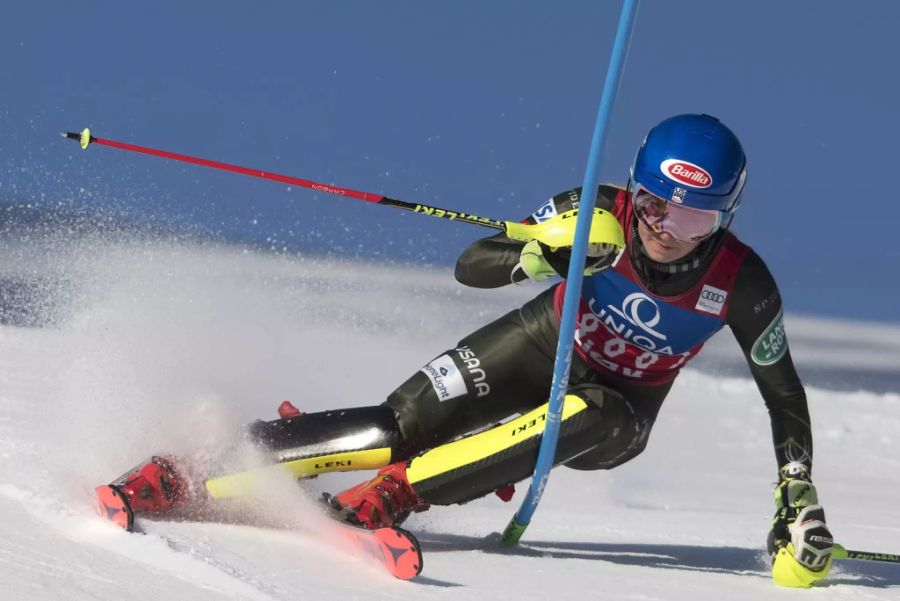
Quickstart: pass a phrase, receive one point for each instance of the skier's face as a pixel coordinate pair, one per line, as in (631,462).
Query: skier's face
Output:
(663,247)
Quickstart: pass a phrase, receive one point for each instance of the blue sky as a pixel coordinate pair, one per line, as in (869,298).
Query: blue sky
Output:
(485,107)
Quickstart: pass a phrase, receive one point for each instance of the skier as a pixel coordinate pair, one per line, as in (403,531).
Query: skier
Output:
(643,315)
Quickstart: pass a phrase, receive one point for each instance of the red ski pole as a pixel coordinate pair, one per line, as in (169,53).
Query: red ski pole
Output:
(604,227)
(86,139)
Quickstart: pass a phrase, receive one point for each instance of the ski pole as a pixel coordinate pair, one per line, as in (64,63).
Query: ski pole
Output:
(604,227)
(565,344)
(841,552)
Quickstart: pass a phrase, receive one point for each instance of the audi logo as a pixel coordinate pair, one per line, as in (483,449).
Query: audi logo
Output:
(712,296)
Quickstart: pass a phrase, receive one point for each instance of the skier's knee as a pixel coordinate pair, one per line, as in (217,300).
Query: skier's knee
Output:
(609,454)
(423,420)
(623,434)
(412,430)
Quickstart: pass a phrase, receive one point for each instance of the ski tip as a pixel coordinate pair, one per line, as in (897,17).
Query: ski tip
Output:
(403,557)
(112,506)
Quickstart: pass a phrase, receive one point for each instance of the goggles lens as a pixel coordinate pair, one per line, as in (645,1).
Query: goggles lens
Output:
(682,223)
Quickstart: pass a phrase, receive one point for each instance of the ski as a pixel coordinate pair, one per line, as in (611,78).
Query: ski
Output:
(113,506)
(395,549)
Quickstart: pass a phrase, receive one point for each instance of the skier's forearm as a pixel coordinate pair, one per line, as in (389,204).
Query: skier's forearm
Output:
(791,433)
(756,319)
(490,262)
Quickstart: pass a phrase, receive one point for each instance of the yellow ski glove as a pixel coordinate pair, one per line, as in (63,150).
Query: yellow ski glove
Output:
(799,542)
(787,571)
(540,262)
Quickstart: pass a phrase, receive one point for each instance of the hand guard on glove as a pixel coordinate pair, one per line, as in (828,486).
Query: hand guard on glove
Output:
(540,262)
(799,542)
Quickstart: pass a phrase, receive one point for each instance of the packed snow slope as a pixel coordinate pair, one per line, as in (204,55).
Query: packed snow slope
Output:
(112,351)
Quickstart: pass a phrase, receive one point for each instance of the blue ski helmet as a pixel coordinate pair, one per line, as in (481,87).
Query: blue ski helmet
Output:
(694,161)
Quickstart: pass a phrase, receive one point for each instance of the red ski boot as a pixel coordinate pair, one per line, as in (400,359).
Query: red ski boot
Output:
(386,500)
(154,487)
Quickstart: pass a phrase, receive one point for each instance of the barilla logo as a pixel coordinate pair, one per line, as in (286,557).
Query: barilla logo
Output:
(686,173)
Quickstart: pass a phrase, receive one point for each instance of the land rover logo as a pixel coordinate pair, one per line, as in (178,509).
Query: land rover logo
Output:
(771,344)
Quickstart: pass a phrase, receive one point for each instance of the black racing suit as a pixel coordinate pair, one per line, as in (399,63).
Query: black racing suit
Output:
(505,369)
(518,349)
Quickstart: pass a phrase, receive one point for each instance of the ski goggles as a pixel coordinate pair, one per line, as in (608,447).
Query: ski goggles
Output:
(682,223)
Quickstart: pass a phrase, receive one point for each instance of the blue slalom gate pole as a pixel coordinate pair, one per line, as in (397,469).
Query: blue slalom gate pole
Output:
(574,278)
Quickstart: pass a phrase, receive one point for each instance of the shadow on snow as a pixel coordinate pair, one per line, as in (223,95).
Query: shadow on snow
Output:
(722,560)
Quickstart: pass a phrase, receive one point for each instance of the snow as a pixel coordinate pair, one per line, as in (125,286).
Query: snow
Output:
(150,346)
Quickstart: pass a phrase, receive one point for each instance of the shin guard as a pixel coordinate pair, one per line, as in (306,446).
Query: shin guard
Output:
(310,444)
(476,465)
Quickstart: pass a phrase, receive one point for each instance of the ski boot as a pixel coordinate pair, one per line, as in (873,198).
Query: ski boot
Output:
(384,501)
(156,486)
